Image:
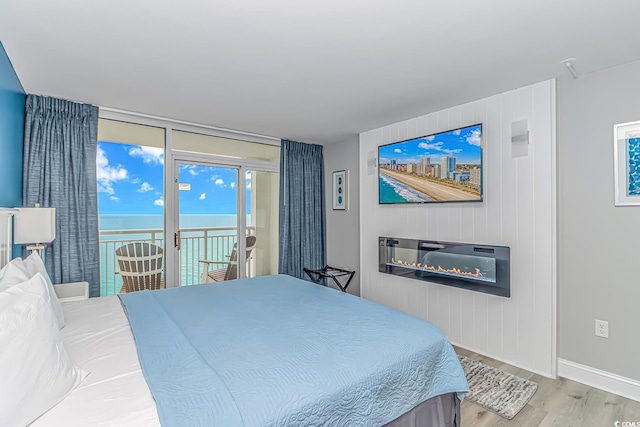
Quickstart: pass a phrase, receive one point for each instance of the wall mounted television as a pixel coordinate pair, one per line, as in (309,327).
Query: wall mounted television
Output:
(439,168)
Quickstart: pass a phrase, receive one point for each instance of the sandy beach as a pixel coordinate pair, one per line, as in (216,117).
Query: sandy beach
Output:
(438,192)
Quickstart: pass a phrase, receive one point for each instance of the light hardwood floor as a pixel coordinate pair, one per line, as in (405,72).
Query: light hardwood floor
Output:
(558,402)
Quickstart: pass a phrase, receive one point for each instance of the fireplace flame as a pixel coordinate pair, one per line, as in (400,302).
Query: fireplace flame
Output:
(453,270)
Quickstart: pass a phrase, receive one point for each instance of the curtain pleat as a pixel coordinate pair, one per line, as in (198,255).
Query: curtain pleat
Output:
(302,214)
(60,144)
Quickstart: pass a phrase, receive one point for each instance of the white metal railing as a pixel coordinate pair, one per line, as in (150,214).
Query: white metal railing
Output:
(214,243)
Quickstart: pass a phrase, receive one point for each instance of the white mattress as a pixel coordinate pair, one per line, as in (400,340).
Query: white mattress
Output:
(98,339)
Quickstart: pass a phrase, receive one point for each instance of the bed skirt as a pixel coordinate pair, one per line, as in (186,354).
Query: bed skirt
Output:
(439,411)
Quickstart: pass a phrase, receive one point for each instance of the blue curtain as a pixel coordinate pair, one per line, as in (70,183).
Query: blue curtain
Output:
(60,143)
(302,214)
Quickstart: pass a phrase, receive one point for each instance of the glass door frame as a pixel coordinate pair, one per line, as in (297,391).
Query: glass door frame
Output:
(169,125)
(172,215)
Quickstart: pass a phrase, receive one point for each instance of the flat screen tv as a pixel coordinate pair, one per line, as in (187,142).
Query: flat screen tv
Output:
(439,168)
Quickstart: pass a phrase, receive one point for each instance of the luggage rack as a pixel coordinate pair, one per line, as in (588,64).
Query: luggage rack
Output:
(332,272)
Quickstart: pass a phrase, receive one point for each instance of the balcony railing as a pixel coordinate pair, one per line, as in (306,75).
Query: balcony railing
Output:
(213,243)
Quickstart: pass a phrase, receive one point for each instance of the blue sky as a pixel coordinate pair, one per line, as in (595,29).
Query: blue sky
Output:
(130,181)
(463,144)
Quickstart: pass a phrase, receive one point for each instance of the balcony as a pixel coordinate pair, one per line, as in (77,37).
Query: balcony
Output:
(214,243)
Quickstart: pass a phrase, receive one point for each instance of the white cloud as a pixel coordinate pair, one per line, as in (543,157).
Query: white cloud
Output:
(193,169)
(149,155)
(108,174)
(247,179)
(232,185)
(435,146)
(144,187)
(475,138)
(115,198)
(203,196)
(219,182)
(450,151)
(456,132)
(430,138)
(397,150)
(135,181)
(158,202)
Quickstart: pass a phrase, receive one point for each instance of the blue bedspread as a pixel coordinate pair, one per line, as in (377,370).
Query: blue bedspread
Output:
(278,351)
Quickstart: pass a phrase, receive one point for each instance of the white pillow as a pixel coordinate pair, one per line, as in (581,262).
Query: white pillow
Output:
(16,272)
(35,368)
(13,274)
(33,264)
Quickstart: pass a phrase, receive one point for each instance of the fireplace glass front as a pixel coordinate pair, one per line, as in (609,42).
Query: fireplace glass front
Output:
(482,268)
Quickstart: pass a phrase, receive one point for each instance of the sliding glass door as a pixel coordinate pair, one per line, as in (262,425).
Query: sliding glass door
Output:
(130,175)
(223,216)
(208,222)
(206,202)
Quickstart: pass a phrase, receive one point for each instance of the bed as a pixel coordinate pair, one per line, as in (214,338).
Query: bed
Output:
(274,351)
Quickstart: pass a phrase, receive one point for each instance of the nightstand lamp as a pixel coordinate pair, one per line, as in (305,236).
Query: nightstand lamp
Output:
(34,227)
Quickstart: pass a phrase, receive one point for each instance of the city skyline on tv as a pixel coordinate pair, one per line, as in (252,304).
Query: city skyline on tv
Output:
(444,167)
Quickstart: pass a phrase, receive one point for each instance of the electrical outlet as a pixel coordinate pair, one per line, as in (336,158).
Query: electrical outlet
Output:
(602,328)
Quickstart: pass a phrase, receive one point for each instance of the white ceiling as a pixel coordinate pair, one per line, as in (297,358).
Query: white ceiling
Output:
(313,71)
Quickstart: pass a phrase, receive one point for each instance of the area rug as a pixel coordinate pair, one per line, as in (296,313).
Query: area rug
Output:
(496,390)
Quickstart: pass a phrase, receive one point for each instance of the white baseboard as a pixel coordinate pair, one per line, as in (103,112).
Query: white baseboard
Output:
(593,377)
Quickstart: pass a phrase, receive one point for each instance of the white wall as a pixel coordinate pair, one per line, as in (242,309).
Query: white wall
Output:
(519,211)
(343,231)
(599,249)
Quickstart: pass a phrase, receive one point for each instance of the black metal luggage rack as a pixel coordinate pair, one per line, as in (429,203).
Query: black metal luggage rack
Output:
(333,273)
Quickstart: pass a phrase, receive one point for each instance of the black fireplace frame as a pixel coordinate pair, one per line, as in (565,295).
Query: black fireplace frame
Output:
(501,254)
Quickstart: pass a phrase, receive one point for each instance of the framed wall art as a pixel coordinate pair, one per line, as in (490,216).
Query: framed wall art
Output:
(626,149)
(340,190)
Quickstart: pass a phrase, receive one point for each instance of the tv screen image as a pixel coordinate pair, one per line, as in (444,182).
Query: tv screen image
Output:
(438,168)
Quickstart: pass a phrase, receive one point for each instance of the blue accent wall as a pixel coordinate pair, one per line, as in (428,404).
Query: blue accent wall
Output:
(12,101)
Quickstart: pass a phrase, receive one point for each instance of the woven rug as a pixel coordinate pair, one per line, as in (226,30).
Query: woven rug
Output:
(496,390)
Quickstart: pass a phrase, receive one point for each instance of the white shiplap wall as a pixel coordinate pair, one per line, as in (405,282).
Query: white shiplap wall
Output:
(519,211)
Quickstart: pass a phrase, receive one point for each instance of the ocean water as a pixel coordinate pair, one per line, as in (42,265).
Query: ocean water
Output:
(147,222)
(394,191)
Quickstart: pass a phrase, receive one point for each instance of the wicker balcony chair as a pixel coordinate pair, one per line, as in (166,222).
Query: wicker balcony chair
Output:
(140,266)
(229,269)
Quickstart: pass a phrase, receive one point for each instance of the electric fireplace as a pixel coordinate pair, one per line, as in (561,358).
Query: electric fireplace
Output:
(481,268)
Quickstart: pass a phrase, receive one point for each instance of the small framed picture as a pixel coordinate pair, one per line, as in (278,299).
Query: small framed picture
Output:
(340,190)
(626,153)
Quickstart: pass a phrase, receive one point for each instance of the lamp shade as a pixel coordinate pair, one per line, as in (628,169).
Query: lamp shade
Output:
(34,225)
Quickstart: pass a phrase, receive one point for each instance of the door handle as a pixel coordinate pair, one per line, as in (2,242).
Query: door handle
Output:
(177,240)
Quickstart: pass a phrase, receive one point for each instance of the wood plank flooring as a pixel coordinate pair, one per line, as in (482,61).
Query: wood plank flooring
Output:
(558,402)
